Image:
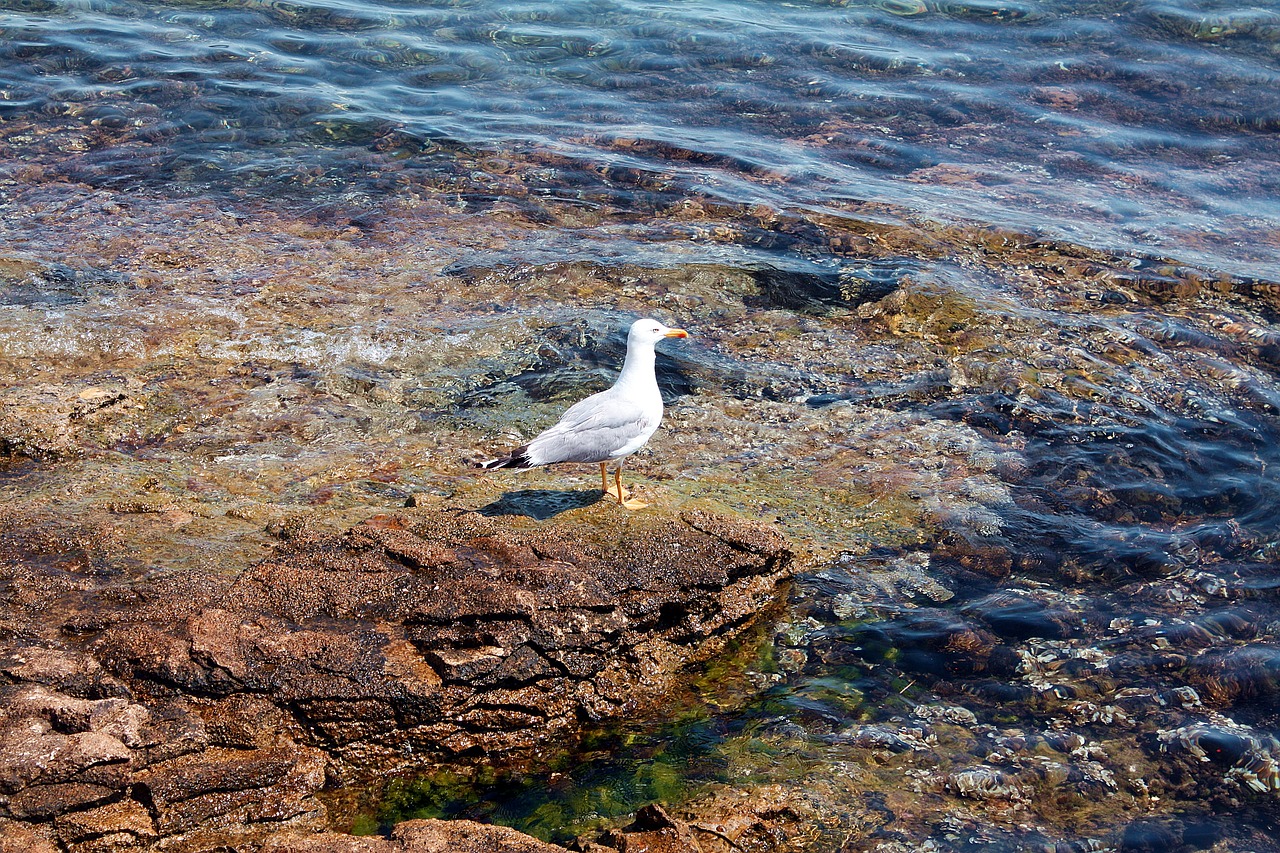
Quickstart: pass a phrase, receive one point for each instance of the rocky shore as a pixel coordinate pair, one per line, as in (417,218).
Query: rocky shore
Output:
(204,710)
(1034,484)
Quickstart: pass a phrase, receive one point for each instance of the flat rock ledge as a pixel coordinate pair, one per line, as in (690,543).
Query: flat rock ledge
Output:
(207,709)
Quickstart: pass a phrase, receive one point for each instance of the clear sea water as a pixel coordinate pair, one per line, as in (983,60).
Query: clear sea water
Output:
(1138,126)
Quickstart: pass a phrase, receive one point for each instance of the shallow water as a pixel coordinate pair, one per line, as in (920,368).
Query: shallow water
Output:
(984,307)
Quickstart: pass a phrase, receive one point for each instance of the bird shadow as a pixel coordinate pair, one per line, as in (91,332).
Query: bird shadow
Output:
(541,504)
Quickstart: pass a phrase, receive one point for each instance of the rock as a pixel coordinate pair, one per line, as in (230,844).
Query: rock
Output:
(49,740)
(120,825)
(465,836)
(784,819)
(204,711)
(328,842)
(458,636)
(46,421)
(76,674)
(17,837)
(655,831)
(39,802)
(219,794)
(417,836)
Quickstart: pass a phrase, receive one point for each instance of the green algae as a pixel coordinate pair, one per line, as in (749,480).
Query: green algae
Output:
(612,771)
(610,777)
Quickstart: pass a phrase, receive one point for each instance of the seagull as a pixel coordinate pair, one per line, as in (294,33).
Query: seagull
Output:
(607,426)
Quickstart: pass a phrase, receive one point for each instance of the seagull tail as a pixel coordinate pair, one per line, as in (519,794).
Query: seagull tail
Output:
(517,458)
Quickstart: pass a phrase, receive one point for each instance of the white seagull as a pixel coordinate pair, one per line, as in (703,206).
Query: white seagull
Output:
(607,426)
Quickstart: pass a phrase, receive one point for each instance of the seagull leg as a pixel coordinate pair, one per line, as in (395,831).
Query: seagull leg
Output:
(610,491)
(628,503)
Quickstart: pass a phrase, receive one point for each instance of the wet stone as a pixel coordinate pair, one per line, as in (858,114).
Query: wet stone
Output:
(809,290)
(1020,618)
(53,421)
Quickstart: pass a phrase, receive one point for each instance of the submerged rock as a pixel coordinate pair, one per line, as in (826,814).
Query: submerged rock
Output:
(202,708)
(48,422)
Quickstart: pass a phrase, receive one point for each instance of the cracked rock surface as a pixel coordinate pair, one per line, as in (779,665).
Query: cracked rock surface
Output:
(189,710)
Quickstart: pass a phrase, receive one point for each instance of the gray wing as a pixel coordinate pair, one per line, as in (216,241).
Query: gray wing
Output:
(592,430)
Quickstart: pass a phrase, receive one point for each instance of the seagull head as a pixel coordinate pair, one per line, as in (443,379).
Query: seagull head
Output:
(651,331)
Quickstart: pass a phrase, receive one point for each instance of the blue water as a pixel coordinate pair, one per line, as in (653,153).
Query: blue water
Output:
(1133,126)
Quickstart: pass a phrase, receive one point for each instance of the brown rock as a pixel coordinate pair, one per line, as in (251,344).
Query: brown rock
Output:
(33,753)
(417,836)
(454,634)
(38,802)
(16,837)
(655,831)
(244,721)
(211,712)
(63,670)
(230,790)
(465,836)
(817,812)
(119,825)
(46,421)
(328,842)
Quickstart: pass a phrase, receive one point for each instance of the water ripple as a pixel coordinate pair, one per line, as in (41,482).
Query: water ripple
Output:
(844,95)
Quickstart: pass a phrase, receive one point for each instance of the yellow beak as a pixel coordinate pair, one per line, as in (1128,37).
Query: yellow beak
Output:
(676,333)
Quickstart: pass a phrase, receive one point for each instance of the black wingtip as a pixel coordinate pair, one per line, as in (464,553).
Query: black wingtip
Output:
(515,459)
